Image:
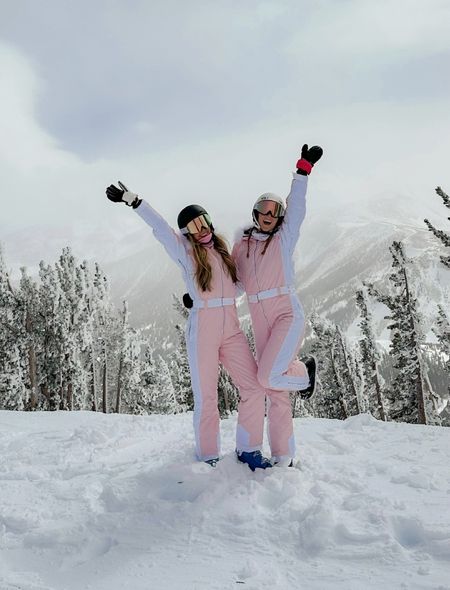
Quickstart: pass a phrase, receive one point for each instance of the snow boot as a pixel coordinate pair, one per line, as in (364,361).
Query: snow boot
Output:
(212,462)
(254,460)
(286,462)
(311,365)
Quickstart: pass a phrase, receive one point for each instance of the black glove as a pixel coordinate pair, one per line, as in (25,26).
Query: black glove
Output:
(114,194)
(118,195)
(308,158)
(187,301)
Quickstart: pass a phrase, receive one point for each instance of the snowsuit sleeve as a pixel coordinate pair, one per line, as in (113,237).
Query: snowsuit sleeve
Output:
(295,211)
(162,231)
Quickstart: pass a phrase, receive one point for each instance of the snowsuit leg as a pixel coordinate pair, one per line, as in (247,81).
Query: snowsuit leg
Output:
(203,333)
(278,327)
(238,360)
(278,366)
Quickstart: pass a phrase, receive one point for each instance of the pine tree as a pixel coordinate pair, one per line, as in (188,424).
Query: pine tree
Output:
(82,370)
(30,330)
(90,339)
(227,394)
(148,382)
(164,400)
(330,400)
(443,236)
(442,332)
(348,373)
(13,395)
(104,326)
(129,367)
(409,399)
(61,340)
(71,318)
(370,358)
(52,334)
(179,362)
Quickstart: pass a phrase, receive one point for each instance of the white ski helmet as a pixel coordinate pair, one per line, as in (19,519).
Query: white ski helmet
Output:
(269,197)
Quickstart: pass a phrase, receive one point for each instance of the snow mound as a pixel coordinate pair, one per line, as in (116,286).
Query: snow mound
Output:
(89,501)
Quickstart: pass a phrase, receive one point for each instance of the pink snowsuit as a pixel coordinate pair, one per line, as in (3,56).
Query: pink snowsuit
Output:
(213,335)
(277,316)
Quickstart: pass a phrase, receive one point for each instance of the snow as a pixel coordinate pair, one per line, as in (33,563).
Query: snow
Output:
(106,502)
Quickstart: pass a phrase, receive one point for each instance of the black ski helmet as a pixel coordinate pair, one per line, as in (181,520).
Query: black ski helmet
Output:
(191,212)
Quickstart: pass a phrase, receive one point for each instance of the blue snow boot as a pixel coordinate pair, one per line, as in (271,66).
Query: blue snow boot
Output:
(311,365)
(254,460)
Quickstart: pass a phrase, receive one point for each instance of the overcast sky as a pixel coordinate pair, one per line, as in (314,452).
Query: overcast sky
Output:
(210,102)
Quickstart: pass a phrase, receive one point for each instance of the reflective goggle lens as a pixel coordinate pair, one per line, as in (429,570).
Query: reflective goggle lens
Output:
(272,207)
(196,225)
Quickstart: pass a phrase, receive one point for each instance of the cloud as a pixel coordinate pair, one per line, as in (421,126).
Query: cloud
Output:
(374,32)
(186,70)
(210,103)
(117,77)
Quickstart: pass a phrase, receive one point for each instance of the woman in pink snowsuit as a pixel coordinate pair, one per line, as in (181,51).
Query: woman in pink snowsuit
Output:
(213,333)
(264,259)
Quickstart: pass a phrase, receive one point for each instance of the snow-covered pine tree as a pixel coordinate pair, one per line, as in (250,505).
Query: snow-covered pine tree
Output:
(227,393)
(348,373)
(164,399)
(179,363)
(13,394)
(330,400)
(442,332)
(370,358)
(30,326)
(179,307)
(52,334)
(82,376)
(443,236)
(129,368)
(410,398)
(442,329)
(90,339)
(148,383)
(105,332)
(123,344)
(71,318)
(180,373)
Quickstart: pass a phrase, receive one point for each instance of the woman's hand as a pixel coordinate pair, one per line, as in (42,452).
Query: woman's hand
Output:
(308,158)
(122,195)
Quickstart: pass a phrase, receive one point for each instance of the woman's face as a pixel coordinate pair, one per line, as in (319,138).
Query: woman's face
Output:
(267,222)
(201,234)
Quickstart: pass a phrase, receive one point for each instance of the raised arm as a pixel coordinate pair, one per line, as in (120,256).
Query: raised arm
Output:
(296,200)
(295,210)
(162,231)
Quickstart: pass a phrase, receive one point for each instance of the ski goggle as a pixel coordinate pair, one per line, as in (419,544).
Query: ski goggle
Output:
(196,225)
(270,208)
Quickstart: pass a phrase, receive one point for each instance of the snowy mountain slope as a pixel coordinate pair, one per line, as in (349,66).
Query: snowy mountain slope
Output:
(349,253)
(106,502)
(146,279)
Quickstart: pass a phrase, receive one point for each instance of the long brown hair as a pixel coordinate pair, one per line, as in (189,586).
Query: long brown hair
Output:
(203,272)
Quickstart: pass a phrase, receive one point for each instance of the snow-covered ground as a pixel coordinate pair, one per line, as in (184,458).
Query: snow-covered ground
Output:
(89,501)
